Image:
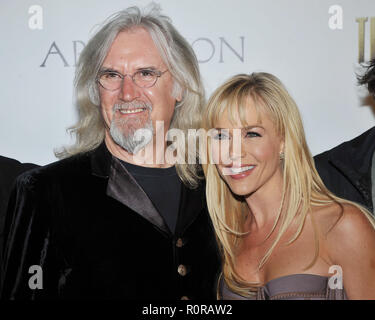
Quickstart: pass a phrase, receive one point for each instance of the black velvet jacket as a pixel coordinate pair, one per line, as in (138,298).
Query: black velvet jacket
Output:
(346,169)
(96,235)
(10,169)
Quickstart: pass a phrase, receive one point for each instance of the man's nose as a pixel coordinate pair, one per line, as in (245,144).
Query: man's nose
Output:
(129,90)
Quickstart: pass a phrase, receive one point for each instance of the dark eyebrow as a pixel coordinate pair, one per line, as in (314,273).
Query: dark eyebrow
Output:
(108,70)
(104,70)
(148,68)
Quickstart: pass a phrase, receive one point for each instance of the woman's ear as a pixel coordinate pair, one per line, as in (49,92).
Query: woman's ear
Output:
(282,146)
(281,152)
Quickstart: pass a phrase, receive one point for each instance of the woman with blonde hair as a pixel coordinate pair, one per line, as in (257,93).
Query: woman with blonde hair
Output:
(282,233)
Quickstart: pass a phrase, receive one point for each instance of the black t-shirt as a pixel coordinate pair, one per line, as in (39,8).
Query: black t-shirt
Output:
(162,186)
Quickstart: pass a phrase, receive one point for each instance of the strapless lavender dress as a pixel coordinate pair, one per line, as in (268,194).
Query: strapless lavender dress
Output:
(291,287)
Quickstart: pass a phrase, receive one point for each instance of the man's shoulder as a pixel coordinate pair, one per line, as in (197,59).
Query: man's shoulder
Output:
(8,162)
(10,169)
(347,148)
(8,165)
(74,166)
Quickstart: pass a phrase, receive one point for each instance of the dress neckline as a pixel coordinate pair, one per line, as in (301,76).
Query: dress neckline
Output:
(291,286)
(294,275)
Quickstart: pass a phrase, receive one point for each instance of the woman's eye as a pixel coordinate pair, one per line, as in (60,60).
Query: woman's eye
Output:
(220,136)
(251,134)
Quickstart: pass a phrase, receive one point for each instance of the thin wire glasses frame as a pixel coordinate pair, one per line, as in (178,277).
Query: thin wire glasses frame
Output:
(112,80)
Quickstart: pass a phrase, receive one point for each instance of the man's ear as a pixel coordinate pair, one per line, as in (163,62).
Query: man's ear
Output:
(177,92)
(179,96)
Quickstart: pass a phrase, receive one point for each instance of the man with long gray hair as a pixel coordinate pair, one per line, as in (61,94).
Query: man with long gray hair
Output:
(99,223)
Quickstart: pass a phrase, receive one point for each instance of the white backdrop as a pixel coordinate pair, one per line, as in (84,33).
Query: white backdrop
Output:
(289,38)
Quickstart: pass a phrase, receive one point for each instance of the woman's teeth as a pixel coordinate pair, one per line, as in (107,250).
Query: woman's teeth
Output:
(233,170)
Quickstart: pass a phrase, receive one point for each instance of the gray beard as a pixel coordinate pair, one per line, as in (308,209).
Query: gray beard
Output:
(136,137)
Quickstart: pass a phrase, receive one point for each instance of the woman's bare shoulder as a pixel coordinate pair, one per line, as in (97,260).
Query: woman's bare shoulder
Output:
(350,244)
(338,218)
(345,227)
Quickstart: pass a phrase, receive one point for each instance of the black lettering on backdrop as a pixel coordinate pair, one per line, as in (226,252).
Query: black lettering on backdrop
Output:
(57,51)
(76,55)
(205,49)
(223,41)
(212,47)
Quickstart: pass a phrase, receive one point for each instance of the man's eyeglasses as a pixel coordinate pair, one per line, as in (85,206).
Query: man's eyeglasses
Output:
(112,80)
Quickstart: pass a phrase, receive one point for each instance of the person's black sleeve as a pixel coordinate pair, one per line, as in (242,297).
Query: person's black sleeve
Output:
(28,244)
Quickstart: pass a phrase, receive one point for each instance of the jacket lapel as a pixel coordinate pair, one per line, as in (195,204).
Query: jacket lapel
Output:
(124,188)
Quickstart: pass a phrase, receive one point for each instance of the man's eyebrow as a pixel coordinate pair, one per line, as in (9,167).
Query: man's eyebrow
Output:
(152,68)
(102,70)
(147,68)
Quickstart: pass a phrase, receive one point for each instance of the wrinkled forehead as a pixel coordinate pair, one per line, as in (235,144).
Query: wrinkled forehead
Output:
(135,45)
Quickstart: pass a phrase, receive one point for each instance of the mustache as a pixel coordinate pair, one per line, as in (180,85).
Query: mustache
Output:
(132,105)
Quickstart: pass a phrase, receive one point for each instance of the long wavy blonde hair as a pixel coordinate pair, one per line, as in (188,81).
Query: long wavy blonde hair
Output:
(302,186)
